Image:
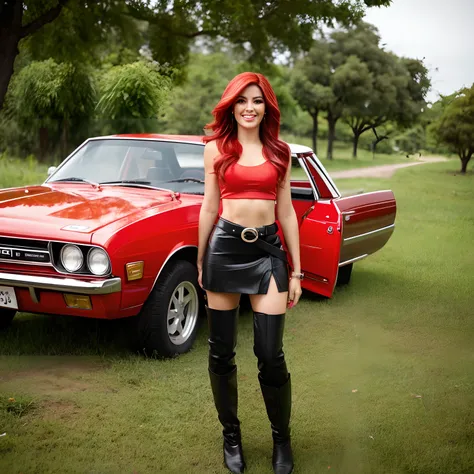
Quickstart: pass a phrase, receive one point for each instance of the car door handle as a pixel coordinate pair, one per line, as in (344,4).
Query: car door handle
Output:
(347,215)
(305,215)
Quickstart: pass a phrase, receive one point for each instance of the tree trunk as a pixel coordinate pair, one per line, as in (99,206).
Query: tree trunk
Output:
(12,31)
(464,161)
(10,35)
(331,135)
(376,141)
(315,132)
(355,144)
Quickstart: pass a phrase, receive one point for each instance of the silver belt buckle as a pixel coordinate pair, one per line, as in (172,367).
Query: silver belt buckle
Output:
(253,231)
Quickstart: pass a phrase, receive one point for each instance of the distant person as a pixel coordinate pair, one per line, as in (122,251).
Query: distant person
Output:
(248,168)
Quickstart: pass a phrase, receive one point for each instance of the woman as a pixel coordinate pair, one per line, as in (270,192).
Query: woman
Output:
(248,168)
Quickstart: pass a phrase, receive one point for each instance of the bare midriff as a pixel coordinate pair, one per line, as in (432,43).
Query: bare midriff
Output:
(249,212)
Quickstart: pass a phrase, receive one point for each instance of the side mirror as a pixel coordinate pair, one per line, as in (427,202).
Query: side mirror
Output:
(51,170)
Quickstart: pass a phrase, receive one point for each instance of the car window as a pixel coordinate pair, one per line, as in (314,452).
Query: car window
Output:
(94,162)
(301,186)
(190,156)
(128,159)
(141,160)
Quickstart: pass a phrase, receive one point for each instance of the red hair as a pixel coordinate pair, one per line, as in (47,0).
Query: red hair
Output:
(224,126)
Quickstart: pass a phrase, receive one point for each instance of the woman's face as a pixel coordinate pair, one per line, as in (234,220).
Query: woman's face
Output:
(249,108)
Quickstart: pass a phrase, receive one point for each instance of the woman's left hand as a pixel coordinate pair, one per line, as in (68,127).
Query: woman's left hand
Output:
(294,292)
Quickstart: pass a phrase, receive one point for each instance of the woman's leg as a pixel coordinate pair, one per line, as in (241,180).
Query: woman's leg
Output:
(222,300)
(222,312)
(275,383)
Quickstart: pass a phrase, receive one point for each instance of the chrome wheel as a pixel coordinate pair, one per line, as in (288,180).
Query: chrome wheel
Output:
(168,322)
(183,312)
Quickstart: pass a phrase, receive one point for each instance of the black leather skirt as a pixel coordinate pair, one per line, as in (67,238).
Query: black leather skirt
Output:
(234,265)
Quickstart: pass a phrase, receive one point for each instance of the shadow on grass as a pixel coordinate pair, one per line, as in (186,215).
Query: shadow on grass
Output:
(40,334)
(65,335)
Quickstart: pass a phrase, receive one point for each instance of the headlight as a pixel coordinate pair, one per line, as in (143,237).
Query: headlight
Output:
(71,258)
(98,262)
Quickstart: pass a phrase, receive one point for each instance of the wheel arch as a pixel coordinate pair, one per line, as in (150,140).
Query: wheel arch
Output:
(183,252)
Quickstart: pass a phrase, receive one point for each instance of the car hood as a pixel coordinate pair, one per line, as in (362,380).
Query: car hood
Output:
(57,211)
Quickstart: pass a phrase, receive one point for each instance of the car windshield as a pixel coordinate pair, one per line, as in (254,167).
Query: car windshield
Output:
(128,162)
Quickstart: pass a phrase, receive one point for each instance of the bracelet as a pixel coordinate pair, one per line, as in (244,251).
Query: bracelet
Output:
(300,276)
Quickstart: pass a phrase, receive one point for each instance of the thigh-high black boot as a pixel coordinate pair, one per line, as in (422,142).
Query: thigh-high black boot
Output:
(275,384)
(223,375)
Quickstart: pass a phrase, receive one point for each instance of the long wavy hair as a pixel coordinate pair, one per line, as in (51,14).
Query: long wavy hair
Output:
(224,126)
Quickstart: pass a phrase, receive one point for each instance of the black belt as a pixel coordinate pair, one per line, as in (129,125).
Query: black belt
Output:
(251,235)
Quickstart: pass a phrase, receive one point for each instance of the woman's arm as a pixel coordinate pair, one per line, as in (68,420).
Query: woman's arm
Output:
(210,203)
(289,224)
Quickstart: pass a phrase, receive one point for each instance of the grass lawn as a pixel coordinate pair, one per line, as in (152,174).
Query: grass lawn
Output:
(16,172)
(383,373)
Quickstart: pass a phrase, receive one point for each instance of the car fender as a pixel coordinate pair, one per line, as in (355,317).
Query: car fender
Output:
(155,240)
(186,251)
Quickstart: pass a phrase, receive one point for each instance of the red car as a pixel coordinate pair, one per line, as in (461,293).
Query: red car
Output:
(113,233)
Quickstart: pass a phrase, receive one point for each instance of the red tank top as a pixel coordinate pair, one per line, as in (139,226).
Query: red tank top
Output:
(249,182)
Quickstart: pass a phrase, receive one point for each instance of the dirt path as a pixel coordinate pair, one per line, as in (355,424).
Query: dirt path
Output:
(383,171)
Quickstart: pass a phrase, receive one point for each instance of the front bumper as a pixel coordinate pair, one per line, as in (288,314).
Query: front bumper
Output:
(67,285)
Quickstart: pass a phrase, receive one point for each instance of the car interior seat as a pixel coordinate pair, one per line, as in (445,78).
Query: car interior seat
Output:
(159,173)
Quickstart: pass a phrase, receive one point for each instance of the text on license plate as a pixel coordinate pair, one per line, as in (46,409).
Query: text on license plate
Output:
(8,297)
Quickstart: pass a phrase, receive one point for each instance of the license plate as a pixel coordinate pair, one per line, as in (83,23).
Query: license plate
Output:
(8,297)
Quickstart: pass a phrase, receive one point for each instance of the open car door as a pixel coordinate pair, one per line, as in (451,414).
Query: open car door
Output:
(368,223)
(338,231)
(320,245)
(320,224)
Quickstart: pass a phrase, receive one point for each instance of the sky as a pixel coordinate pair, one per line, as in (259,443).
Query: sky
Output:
(441,31)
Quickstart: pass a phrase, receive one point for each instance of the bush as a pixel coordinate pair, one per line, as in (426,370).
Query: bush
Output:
(45,103)
(411,141)
(133,91)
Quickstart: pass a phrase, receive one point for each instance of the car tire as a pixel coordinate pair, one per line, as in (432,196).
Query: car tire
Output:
(6,317)
(168,322)
(344,274)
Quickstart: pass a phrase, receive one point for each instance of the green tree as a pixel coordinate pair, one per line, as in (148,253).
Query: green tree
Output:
(189,106)
(20,20)
(455,127)
(397,87)
(52,98)
(349,84)
(381,133)
(310,84)
(86,33)
(73,31)
(411,140)
(261,29)
(431,113)
(131,94)
(323,81)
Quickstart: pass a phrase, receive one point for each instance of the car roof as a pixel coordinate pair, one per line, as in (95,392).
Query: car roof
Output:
(158,136)
(295,148)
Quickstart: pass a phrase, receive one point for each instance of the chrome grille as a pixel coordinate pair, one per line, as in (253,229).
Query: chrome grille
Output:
(24,251)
